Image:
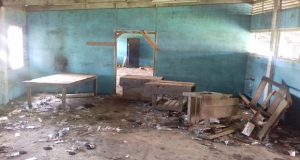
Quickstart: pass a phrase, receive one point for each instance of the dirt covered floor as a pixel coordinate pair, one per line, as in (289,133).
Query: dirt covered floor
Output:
(110,128)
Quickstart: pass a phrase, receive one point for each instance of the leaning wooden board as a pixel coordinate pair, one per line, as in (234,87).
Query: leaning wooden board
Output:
(63,81)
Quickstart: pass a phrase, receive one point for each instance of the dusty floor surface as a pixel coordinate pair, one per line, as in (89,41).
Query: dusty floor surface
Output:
(122,71)
(120,130)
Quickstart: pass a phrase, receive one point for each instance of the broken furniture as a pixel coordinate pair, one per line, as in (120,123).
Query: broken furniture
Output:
(273,107)
(167,95)
(63,81)
(134,86)
(205,105)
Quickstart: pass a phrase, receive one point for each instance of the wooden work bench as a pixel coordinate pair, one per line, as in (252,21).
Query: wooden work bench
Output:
(63,81)
(170,89)
(134,86)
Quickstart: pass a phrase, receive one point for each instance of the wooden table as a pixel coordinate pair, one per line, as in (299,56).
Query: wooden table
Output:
(134,86)
(171,89)
(63,81)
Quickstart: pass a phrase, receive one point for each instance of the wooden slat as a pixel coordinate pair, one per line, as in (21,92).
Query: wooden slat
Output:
(150,41)
(272,120)
(100,43)
(223,133)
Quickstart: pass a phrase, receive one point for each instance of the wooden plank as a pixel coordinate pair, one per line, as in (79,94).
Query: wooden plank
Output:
(272,120)
(244,98)
(223,133)
(150,41)
(258,93)
(62,79)
(105,44)
(267,100)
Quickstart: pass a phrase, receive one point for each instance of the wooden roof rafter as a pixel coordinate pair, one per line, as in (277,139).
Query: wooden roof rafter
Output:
(44,5)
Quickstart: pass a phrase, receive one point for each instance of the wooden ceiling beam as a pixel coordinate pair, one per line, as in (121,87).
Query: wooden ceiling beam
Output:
(44,5)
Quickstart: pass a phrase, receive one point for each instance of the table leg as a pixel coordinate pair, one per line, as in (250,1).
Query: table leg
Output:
(95,87)
(64,92)
(154,98)
(29,97)
(189,109)
(180,99)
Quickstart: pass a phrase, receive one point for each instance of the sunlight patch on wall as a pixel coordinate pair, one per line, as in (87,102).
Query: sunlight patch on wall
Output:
(15,47)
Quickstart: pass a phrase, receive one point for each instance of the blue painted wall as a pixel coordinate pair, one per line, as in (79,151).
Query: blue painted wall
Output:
(204,44)
(146,51)
(289,18)
(14,17)
(285,70)
(57,43)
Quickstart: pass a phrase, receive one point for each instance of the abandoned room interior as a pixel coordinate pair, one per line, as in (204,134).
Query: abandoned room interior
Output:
(150,79)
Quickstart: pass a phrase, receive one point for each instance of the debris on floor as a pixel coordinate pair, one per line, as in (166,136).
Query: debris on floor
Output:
(81,131)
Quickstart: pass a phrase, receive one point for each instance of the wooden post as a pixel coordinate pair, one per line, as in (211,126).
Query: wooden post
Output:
(64,92)
(189,109)
(29,96)
(273,44)
(95,87)
(154,98)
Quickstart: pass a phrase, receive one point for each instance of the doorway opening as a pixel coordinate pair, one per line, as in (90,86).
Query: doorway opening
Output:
(134,54)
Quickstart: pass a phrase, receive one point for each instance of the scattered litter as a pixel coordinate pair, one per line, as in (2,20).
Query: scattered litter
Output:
(58,134)
(158,127)
(17,134)
(90,146)
(58,142)
(80,108)
(40,120)
(16,111)
(16,154)
(226,142)
(32,158)
(248,128)
(292,153)
(214,120)
(118,129)
(22,116)
(127,156)
(108,128)
(3,119)
(32,127)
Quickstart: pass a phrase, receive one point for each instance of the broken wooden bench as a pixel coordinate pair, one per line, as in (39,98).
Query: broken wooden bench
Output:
(273,105)
(167,95)
(63,81)
(134,86)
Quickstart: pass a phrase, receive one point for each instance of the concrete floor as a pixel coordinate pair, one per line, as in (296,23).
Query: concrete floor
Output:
(120,129)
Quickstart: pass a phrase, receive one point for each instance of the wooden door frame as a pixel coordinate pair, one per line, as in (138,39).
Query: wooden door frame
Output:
(119,33)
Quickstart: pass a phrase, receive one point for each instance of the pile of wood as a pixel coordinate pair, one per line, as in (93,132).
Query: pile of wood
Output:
(247,117)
